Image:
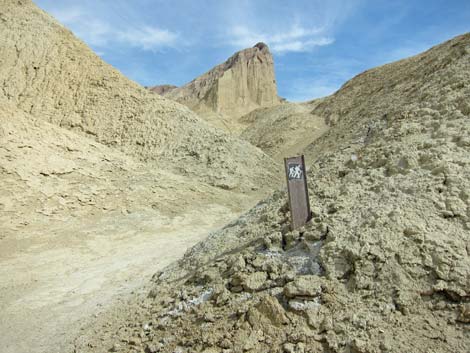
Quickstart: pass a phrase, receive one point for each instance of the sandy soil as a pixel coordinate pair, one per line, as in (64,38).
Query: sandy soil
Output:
(53,280)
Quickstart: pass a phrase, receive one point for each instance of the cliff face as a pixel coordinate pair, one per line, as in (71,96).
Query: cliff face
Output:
(230,90)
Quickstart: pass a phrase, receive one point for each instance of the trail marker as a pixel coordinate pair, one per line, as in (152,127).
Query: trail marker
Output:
(298,192)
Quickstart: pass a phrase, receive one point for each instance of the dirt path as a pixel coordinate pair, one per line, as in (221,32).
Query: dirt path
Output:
(53,278)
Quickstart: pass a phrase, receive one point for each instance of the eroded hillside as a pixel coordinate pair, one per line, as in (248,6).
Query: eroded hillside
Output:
(100,181)
(81,222)
(51,174)
(283,130)
(382,267)
(50,74)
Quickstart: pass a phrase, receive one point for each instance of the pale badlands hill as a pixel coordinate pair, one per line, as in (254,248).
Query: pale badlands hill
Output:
(52,175)
(81,222)
(283,130)
(47,72)
(384,266)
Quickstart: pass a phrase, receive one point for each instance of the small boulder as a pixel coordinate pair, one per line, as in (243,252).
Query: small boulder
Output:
(255,281)
(270,308)
(304,286)
(464,315)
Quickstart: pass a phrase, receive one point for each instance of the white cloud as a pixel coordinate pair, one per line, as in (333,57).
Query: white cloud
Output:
(148,38)
(301,46)
(285,27)
(296,39)
(68,15)
(95,32)
(101,34)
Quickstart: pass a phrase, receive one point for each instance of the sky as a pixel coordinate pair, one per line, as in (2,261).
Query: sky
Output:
(317,44)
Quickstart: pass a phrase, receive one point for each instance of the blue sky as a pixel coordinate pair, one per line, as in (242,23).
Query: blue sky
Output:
(317,45)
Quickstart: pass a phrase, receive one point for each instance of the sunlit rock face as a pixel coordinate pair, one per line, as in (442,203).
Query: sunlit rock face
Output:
(243,83)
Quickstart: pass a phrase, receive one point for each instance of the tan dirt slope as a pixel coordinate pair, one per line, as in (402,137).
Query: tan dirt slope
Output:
(51,174)
(50,74)
(81,222)
(283,130)
(384,266)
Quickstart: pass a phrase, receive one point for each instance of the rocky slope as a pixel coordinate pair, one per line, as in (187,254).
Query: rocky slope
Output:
(51,75)
(384,266)
(241,84)
(81,222)
(50,174)
(283,130)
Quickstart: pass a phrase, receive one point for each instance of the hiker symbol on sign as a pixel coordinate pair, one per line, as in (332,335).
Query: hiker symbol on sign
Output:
(295,171)
(299,202)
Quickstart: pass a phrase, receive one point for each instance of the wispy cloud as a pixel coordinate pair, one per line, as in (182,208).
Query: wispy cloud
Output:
(148,38)
(68,15)
(101,34)
(296,39)
(287,27)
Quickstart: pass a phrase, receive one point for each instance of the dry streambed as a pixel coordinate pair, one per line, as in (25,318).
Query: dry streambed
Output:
(56,276)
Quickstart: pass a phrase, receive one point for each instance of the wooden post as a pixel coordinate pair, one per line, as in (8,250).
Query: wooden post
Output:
(299,202)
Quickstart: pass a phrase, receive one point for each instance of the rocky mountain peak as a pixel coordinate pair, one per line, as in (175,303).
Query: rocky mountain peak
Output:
(228,91)
(261,46)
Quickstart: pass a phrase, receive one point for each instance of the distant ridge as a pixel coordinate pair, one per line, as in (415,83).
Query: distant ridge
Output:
(162,89)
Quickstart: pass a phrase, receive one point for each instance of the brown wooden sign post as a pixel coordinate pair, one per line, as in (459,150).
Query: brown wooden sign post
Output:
(298,192)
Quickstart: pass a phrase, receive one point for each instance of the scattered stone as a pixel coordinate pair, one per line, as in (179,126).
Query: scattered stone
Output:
(269,307)
(304,286)
(255,281)
(303,305)
(464,315)
(289,348)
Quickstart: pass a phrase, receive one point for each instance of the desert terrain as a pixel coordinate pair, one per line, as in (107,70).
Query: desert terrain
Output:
(98,186)
(138,219)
